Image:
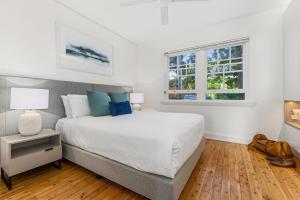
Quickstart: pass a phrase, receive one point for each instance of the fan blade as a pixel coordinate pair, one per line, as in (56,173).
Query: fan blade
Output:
(136,2)
(164,15)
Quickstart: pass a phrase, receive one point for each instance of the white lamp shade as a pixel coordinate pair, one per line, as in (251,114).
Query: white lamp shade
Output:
(136,98)
(27,98)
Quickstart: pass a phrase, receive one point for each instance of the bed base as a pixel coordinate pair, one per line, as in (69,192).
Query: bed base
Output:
(152,186)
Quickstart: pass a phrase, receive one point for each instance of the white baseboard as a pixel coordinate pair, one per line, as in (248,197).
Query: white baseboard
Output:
(226,138)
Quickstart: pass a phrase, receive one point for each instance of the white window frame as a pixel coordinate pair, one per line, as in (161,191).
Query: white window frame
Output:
(201,72)
(168,91)
(244,71)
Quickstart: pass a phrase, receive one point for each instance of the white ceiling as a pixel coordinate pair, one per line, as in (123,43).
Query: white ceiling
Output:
(142,23)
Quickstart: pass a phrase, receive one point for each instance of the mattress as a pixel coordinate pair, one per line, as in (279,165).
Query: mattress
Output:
(154,142)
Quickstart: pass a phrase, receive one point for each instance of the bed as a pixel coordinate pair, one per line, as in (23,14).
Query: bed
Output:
(152,153)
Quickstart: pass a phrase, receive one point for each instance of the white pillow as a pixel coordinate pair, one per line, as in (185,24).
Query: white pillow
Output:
(79,105)
(67,106)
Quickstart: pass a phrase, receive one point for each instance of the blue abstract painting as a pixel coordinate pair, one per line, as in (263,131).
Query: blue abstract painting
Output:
(81,52)
(86,53)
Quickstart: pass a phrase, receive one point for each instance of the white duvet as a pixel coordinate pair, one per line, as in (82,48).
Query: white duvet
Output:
(154,142)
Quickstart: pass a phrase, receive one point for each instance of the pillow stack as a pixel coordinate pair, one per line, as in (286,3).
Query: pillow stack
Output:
(97,104)
(79,105)
(117,97)
(67,106)
(76,105)
(119,104)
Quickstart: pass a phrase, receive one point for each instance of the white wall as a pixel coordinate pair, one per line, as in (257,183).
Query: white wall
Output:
(292,136)
(27,43)
(265,70)
(291,30)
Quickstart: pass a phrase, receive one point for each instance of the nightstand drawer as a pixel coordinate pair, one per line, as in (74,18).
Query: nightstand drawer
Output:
(29,161)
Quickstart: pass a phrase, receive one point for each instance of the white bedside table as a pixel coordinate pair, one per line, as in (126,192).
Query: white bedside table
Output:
(20,154)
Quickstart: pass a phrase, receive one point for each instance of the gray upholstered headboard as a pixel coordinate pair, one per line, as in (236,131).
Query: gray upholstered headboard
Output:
(9,118)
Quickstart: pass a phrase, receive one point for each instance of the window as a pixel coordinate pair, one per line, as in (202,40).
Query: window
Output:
(212,72)
(182,69)
(225,76)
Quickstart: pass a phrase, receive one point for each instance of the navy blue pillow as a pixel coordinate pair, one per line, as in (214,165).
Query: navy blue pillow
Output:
(120,108)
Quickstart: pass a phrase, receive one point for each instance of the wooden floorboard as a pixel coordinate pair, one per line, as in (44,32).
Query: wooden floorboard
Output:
(225,171)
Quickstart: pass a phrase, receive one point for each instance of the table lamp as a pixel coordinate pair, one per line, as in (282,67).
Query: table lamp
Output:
(136,99)
(30,122)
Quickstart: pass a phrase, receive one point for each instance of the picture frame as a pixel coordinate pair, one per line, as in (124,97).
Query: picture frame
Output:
(82,52)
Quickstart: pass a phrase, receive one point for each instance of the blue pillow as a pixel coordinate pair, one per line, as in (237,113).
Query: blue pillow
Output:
(120,108)
(99,103)
(117,97)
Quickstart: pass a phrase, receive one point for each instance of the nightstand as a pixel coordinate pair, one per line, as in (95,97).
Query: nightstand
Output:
(20,153)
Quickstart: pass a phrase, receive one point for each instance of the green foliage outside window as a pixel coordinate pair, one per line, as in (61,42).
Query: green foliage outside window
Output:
(225,96)
(214,82)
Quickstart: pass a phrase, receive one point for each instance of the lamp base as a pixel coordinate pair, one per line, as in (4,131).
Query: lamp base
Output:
(30,123)
(137,107)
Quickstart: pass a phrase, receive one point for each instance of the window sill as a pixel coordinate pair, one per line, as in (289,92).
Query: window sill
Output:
(210,103)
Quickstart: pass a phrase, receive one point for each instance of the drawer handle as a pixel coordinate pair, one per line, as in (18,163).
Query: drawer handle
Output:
(49,149)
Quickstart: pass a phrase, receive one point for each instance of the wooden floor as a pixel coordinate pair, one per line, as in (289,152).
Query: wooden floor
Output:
(225,171)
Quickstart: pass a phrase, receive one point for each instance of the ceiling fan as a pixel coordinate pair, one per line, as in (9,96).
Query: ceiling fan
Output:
(163,6)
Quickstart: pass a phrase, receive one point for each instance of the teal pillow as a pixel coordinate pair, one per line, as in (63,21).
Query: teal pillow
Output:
(117,97)
(99,103)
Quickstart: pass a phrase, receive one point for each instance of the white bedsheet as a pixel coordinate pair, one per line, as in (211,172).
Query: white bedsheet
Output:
(154,142)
